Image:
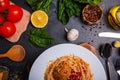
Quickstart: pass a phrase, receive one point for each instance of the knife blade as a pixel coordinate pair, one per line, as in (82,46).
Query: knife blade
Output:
(109,34)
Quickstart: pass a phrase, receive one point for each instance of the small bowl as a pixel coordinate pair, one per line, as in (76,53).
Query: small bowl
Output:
(91,15)
(4,72)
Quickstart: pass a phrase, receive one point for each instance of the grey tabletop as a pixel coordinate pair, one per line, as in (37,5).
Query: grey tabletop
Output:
(56,29)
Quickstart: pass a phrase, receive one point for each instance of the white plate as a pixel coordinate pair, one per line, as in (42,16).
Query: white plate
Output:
(39,66)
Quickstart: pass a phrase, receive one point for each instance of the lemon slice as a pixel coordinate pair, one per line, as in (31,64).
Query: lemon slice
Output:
(39,19)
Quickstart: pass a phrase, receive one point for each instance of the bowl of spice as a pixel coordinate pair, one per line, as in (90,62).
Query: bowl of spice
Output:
(4,73)
(92,14)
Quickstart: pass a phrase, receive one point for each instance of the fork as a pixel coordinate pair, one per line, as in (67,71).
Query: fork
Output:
(117,66)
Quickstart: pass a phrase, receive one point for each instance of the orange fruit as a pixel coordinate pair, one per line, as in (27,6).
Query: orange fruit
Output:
(39,19)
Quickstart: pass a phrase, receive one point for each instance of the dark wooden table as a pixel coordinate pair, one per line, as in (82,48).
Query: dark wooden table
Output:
(56,30)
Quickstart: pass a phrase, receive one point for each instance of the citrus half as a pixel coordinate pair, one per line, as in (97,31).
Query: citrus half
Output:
(39,19)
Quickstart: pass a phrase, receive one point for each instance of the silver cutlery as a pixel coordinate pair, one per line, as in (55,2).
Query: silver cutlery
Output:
(117,66)
(106,53)
(109,34)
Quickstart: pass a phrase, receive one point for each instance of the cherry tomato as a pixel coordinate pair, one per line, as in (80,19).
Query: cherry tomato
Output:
(15,13)
(3,5)
(2,19)
(7,30)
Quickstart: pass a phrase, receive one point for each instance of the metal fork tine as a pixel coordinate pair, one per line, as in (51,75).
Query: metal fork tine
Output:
(117,65)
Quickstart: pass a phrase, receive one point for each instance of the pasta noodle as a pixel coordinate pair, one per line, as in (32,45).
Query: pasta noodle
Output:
(68,68)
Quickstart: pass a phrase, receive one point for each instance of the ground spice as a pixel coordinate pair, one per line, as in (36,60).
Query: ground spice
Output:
(91,14)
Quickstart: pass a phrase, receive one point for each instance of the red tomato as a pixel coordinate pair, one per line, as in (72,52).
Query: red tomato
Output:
(2,19)
(3,5)
(15,13)
(8,29)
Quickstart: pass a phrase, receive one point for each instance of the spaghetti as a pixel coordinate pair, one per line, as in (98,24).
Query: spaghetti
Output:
(68,68)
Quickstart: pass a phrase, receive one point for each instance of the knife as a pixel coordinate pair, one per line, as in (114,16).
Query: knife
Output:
(109,34)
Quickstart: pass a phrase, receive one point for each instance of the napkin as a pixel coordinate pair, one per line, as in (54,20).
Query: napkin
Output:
(21,26)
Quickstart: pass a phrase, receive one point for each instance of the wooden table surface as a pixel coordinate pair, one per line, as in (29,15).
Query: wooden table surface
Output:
(56,29)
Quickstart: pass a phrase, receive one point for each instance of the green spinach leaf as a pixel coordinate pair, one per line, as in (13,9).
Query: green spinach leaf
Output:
(40,4)
(92,2)
(40,38)
(66,9)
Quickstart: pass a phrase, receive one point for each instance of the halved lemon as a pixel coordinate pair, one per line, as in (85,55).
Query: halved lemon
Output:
(39,19)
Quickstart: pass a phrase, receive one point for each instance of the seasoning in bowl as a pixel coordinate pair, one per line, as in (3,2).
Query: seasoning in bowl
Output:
(4,73)
(91,15)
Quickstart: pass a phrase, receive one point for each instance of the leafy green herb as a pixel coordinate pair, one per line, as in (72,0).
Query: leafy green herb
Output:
(92,2)
(40,4)
(66,9)
(40,37)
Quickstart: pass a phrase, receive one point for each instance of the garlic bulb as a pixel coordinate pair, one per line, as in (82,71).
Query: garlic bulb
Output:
(72,34)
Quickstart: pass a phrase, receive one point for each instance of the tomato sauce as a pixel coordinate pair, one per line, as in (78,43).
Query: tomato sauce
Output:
(75,75)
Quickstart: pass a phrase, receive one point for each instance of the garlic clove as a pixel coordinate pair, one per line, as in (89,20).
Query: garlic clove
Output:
(116,44)
(72,35)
